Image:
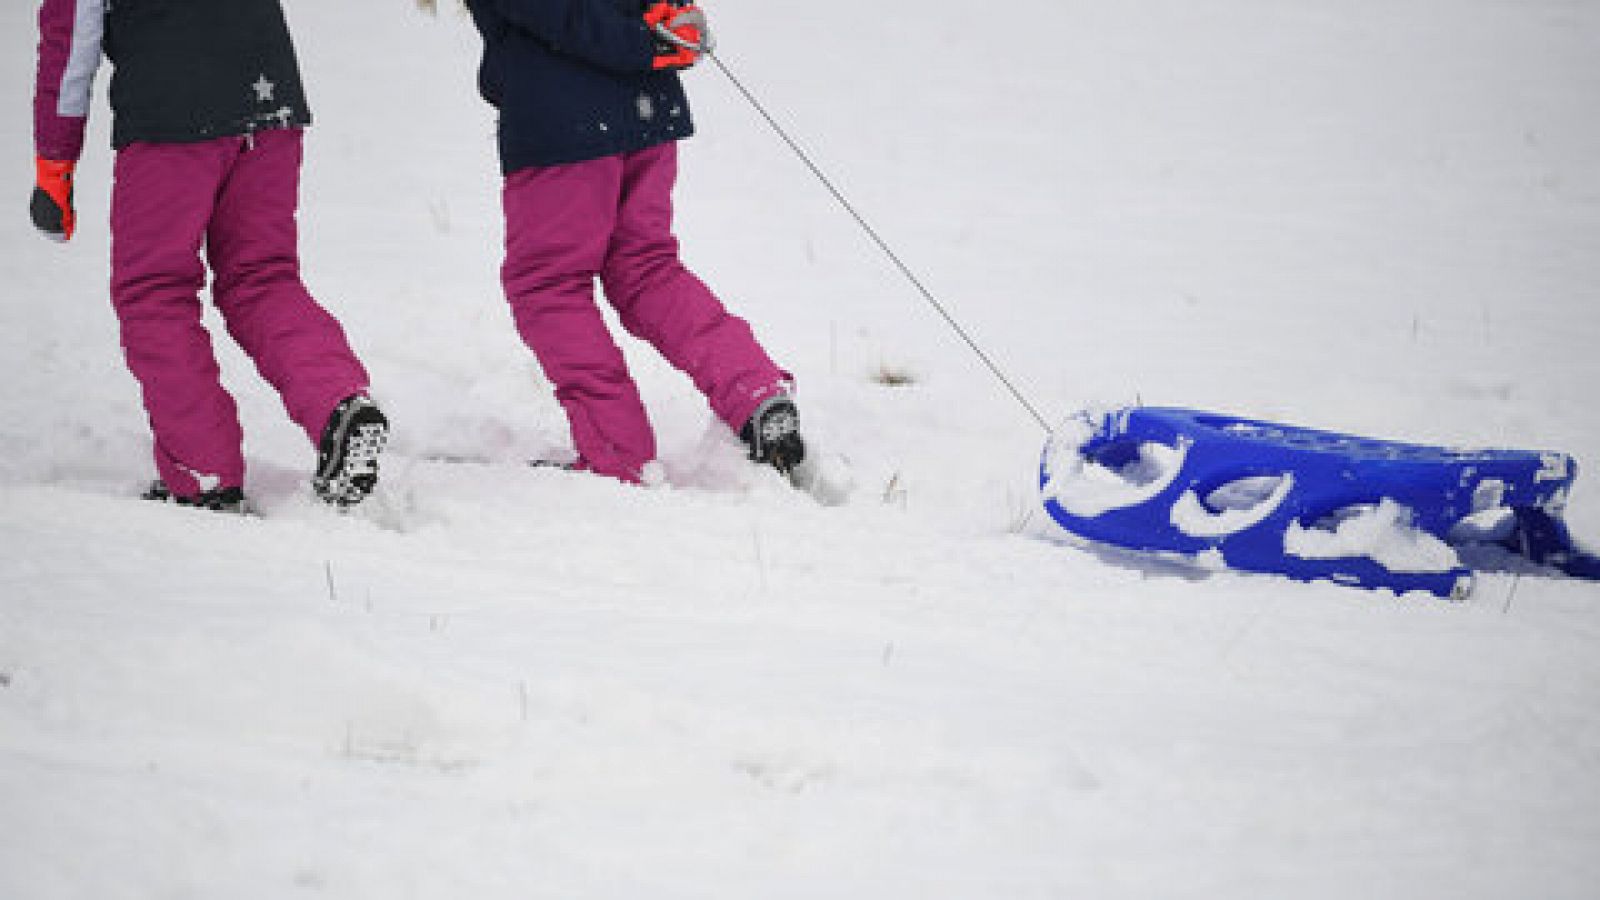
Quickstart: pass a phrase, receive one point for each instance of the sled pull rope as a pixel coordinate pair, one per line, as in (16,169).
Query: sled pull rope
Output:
(883,245)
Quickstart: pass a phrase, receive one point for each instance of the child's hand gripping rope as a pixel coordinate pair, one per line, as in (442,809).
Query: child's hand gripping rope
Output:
(683,33)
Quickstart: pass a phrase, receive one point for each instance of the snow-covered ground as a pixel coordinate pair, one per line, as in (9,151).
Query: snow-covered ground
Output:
(499,682)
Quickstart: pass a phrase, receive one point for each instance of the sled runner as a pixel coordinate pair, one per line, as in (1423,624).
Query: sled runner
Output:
(1313,505)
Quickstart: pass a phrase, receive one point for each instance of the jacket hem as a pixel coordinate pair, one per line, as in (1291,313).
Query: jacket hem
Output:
(514,159)
(120,140)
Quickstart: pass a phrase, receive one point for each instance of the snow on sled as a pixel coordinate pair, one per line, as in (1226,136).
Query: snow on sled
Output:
(1312,505)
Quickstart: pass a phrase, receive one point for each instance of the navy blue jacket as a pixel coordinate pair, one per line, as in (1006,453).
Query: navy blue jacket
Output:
(184,70)
(573,80)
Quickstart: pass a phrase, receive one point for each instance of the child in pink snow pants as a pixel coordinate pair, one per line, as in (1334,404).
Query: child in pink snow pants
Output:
(588,148)
(207,126)
(611,218)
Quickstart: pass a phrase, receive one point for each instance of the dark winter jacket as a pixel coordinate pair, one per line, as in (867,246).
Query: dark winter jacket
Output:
(183,70)
(573,80)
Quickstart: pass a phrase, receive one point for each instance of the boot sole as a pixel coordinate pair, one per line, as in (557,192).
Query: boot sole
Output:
(355,471)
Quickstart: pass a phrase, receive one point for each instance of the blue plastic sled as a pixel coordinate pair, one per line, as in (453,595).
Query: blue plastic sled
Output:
(1313,505)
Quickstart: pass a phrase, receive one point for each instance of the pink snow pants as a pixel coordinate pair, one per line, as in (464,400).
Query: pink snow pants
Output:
(611,218)
(236,197)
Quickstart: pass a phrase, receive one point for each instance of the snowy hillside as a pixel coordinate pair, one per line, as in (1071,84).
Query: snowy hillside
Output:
(502,682)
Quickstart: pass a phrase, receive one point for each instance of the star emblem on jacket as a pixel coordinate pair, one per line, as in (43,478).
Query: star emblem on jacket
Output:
(264,89)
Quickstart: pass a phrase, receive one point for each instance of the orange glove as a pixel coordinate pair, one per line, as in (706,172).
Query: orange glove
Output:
(51,207)
(681,31)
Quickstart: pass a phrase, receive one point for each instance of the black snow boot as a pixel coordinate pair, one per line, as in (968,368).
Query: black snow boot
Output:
(347,455)
(773,434)
(228,499)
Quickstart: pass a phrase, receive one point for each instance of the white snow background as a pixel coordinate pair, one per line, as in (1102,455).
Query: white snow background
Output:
(498,682)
